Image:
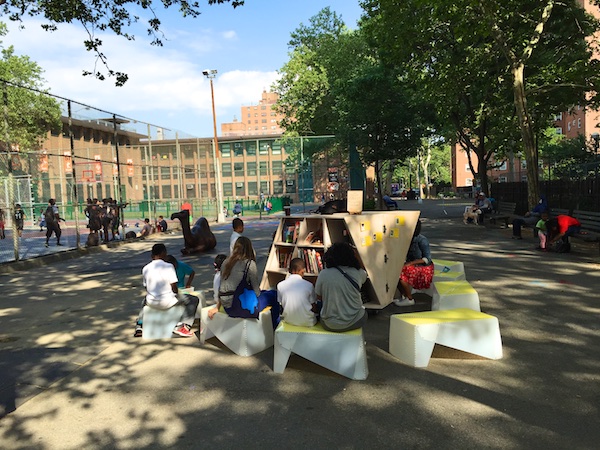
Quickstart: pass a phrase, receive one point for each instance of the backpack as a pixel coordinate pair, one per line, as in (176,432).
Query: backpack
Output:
(49,215)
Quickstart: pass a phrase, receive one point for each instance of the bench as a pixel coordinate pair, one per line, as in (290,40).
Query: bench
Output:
(342,353)
(454,294)
(160,323)
(414,335)
(590,226)
(244,337)
(506,211)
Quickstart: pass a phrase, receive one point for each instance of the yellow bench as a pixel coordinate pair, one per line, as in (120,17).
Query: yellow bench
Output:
(343,353)
(454,294)
(413,335)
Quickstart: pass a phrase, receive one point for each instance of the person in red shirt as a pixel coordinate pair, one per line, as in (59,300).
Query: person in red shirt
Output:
(562,227)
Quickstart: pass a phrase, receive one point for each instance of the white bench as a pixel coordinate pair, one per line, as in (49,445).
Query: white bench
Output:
(454,266)
(244,337)
(440,275)
(414,335)
(160,323)
(454,294)
(343,353)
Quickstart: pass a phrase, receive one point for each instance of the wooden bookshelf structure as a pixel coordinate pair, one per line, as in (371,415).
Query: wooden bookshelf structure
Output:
(381,238)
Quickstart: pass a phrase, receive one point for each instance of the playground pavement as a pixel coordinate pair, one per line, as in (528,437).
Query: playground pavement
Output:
(72,376)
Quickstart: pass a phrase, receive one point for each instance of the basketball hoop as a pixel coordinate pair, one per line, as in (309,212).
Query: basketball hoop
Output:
(87,176)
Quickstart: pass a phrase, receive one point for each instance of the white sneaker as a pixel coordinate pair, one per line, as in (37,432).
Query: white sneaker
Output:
(403,302)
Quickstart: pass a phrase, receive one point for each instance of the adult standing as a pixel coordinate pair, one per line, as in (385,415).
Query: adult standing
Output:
(417,271)
(338,286)
(52,222)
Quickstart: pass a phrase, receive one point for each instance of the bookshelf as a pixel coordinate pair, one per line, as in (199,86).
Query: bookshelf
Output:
(381,238)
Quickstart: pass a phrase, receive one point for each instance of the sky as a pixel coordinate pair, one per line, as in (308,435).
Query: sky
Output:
(246,45)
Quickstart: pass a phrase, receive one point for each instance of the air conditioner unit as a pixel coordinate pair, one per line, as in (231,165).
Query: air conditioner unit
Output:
(189,186)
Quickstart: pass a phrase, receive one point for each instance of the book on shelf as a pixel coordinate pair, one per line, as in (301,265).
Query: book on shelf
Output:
(310,237)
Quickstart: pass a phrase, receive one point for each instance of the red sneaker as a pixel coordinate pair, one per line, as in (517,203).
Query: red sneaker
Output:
(184,331)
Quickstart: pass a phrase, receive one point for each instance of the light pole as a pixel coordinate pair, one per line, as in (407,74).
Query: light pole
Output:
(210,74)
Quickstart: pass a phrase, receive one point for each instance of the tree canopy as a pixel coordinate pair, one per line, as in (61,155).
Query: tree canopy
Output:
(490,67)
(27,111)
(102,15)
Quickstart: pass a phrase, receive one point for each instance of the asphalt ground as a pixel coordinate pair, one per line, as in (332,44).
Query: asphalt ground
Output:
(72,376)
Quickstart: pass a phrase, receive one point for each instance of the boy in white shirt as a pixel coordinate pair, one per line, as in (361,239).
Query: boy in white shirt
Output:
(297,296)
(238,229)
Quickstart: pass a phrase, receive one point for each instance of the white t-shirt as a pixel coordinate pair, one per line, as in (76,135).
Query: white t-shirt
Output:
(297,295)
(216,285)
(234,237)
(158,277)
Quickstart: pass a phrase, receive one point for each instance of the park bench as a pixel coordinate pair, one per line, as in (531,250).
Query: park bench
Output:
(590,226)
(506,211)
(343,353)
(413,336)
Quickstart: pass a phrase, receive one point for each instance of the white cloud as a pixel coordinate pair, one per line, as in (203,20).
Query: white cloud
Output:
(166,86)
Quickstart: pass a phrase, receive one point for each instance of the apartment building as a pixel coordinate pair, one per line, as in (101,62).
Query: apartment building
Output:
(256,120)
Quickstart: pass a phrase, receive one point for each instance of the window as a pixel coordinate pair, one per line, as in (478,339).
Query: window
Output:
(227,189)
(263,107)
(277,187)
(240,190)
(290,187)
(202,170)
(502,179)
(276,148)
(251,148)
(523,164)
(166,192)
(467,168)
(264,167)
(502,166)
(252,188)
(188,150)
(277,168)
(203,190)
(238,169)
(579,122)
(524,178)
(189,171)
(165,173)
(558,130)
(469,182)
(264,188)
(251,169)
(263,121)
(263,147)
(225,149)
(226,169)
(558,116)
(238,149)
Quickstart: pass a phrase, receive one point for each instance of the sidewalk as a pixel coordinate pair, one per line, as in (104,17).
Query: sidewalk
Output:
(72,376)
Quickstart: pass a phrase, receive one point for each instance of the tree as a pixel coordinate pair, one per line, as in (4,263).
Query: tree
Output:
(492,66)
(334,83)
(522,29)
(102,15)
(28,112)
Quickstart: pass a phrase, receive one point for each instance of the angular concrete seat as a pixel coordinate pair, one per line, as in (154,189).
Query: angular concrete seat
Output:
(413,335)
(160,323)
(454,294)
(343,353)
(454,266)
(244,337)
(440,275)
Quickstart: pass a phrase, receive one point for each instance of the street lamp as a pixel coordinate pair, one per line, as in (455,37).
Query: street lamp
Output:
(210,74)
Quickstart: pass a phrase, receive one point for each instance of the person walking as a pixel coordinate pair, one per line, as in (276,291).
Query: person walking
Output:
(19,217)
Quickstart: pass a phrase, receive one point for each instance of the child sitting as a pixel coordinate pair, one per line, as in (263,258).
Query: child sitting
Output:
(217,278)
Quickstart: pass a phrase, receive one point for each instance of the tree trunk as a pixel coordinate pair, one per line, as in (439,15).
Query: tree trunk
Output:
(527,133)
